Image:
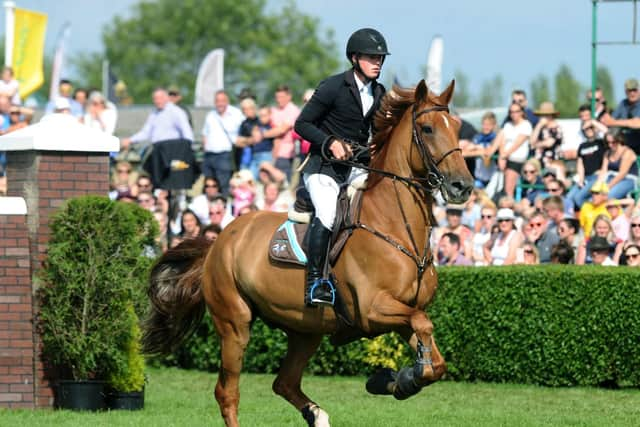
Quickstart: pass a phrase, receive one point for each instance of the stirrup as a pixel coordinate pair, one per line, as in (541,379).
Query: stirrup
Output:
(326,296)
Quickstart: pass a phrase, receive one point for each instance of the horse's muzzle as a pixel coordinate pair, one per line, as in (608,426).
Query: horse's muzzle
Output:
(458,190)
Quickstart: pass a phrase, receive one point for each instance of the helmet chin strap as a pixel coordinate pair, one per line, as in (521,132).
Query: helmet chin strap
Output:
(356,66)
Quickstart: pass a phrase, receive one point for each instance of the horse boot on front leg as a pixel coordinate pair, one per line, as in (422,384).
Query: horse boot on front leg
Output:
(319,290)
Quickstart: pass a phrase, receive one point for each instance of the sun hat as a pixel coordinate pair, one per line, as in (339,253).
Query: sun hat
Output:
(546,109)
(631,84)
(505,213)
(598,243)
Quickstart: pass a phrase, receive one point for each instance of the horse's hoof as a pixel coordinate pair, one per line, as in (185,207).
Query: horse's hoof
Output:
(379,383)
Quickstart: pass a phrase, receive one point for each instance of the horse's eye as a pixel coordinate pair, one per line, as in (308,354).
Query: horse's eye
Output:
(427,129)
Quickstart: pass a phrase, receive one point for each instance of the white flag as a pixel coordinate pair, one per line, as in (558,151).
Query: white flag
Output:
(434,64)
(210,78)
(58,61)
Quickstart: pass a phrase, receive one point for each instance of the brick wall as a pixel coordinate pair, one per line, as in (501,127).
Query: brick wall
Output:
(16,328)
(45,179)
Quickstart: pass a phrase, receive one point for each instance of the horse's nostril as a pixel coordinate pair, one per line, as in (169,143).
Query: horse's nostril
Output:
(461,189)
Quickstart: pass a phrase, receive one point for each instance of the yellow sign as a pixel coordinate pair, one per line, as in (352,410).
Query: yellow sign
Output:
(28,50)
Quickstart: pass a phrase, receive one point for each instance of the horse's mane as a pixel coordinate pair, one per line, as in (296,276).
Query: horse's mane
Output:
(392,107)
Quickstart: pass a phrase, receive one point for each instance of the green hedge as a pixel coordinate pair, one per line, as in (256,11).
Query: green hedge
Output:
(551,325)
(558,326)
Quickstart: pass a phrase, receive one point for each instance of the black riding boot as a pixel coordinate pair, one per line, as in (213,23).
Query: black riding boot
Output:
(318,291)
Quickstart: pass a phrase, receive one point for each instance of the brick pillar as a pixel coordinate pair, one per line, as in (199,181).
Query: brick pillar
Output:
(16,332)
(47,163)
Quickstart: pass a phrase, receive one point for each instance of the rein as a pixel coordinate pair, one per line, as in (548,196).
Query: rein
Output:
(433,181)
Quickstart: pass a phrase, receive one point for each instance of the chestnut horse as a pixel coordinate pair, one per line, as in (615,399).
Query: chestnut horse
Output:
(385,274)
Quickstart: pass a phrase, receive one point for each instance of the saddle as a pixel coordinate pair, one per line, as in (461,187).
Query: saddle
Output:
(288,244)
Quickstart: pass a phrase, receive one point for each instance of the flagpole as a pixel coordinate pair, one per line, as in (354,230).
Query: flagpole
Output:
(9,25)
(105,78)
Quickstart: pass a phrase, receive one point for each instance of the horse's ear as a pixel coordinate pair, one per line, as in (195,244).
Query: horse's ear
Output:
(447,94)
(421,92)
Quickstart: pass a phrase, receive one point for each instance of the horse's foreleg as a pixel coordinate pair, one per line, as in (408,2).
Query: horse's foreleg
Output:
(430,364)
(288,382)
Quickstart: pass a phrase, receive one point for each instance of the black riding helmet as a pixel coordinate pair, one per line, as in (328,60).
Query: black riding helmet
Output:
(367,41)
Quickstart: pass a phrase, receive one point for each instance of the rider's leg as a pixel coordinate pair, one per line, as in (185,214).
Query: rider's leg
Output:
(324,194)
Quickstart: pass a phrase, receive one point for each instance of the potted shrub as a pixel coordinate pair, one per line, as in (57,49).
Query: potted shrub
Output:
(127,386)
(95,271)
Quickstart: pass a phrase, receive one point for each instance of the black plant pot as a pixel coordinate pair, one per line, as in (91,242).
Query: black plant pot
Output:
(131,401)
(81,395)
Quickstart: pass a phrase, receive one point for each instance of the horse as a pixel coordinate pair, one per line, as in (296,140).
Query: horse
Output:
(385,273)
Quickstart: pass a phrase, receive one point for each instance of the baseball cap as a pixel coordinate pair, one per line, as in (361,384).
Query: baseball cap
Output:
(505,213)
(631,84)
(600,187)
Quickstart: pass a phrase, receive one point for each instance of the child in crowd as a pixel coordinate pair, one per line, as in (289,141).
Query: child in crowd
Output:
(485,167)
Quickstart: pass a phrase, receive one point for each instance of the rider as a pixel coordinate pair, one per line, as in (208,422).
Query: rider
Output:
(338,120)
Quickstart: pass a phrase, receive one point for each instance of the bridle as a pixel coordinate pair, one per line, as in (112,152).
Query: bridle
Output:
(433,181)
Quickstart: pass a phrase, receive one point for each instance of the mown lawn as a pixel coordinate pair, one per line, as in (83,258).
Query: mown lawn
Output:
(185,398)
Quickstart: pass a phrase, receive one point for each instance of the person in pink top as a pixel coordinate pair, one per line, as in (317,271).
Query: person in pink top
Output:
(283,117)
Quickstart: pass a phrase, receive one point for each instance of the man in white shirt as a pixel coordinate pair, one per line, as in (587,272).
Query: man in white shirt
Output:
(219,133)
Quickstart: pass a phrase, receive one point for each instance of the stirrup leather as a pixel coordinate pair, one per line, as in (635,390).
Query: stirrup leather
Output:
(317,285)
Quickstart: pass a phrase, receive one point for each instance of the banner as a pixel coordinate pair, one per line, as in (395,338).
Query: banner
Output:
(28,50)
(434,64)
(58,62)
(210,78)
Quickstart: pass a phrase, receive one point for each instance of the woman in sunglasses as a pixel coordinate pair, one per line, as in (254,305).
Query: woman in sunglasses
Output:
(590,154)
(634,239)
(619,168)
(632,255)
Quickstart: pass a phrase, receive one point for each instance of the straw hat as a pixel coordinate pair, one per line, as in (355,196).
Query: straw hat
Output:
(546,109)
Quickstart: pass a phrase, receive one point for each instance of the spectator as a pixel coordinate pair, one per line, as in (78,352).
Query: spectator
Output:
(454,225)
(485,167)
(283,117)
(246,140)
(466,133)
(450,248)
(519,97)
(569,231)
(483,233)
(218,214)
(219,134)
(502,249)
(555,188)
(590,157)
(597,206)
(513,145)
(272,200)
(9,86)
(163,221)
(200,204)
(531,185)
(530,254)
(262,146)
(619,220)
(546,138)
(167,122)
(634,239)
(123,180)
(562,253)
(471,210)
(143,183)
(305,145)
(627,116)
(81,96)
(211,232)
(632,256)
(541,236)
(601,103)
(146,200)
(601,228)
(553,208)
(243,190)
(100,115)
(189,227)
(176,98)
(19,117)
(619,168)
(599,250)
(65,89)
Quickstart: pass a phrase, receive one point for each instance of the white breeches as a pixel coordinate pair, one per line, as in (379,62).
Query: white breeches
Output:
(324,192)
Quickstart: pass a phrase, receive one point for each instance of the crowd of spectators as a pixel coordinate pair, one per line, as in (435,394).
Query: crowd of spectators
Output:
(536,200)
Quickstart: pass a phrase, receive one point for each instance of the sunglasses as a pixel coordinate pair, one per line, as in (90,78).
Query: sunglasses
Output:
(528,172)
(632,90)
(124,170)
(635,225)
(487,216)
(504,220)
(632,256)
(211,186)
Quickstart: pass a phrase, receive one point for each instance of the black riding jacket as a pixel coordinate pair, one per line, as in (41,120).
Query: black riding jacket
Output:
(335,111)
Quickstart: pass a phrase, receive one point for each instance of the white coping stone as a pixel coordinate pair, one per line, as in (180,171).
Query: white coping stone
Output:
(13,206)
(59,132)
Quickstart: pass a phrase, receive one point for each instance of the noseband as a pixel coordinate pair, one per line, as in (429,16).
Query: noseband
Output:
(434,178)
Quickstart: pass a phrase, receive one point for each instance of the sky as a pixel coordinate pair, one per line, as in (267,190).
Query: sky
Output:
(515,38)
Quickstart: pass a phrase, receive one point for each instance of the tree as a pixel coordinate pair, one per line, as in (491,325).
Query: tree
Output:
(568,92)
(605,82)
(540,91)
(461,95)
(162,43)
(491,92)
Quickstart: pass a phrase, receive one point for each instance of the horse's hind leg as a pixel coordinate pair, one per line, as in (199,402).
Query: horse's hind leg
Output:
(288,382)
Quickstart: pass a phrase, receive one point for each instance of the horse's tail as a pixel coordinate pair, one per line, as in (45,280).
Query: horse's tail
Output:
(175,291)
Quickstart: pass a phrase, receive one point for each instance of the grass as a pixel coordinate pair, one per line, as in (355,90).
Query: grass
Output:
(185,398)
